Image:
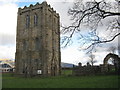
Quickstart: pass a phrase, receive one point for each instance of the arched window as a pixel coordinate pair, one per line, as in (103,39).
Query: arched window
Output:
(50,21)
(35,20)
(27,21)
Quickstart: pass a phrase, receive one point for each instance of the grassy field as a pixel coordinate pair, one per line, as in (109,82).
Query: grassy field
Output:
(63,81)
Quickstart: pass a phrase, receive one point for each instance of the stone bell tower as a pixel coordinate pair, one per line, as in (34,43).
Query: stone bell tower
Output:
(38,41)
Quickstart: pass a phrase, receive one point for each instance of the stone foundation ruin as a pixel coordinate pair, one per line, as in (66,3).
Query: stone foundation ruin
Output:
(104,68)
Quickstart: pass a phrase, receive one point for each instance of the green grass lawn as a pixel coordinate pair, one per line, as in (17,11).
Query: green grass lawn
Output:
(110,81)
(66,72)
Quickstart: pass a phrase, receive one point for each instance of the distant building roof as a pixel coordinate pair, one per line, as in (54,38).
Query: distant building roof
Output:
(8,62)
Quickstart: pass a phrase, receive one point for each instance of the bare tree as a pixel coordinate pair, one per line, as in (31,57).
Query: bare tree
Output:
(92,59)
(90,16)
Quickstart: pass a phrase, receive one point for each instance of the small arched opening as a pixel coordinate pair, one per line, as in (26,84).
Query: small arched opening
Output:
(112,63)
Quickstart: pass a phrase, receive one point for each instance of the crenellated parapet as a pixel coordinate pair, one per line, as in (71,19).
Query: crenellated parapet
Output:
(41,6)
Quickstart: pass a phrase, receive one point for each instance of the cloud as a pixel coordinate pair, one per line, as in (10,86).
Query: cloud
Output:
(61,8)
(8,18)
(7,52)
(63,1)
(7,1)
(7,39)
(71,54)
(8,22)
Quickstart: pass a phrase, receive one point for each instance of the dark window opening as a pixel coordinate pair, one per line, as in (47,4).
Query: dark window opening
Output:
(27,21)
(50,21)
(35,20)
(37,43)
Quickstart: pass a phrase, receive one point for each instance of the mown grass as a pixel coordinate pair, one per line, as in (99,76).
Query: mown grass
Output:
(66,72)
(110,81)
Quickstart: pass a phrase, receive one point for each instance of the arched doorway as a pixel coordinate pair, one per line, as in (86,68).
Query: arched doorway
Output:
(115,62)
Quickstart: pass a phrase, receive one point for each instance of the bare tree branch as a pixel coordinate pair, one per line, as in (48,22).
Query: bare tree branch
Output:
(99,42)
(91,14)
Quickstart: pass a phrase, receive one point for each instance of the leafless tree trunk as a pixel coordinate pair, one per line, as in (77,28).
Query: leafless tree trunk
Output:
(91,59)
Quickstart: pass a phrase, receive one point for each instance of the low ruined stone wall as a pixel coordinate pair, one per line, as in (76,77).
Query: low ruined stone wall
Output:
(94,70)
(86,70)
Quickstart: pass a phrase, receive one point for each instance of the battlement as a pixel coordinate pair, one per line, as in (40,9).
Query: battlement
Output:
(32,7)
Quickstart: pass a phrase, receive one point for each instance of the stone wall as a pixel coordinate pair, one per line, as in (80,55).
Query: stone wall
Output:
(86,70)
(93,70)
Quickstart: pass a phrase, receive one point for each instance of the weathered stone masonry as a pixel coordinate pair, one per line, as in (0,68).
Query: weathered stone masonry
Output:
(38,40)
